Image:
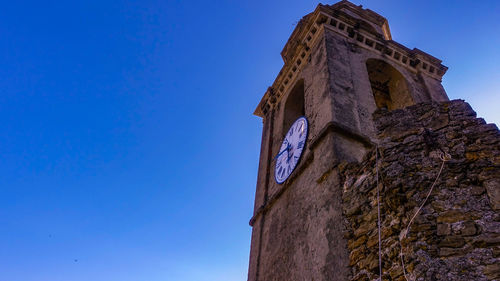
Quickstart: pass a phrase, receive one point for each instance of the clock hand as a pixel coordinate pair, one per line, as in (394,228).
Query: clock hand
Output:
(283,151)
(288,155)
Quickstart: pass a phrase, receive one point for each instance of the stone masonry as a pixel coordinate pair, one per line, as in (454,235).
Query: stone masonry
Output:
(358,87)
(456,236)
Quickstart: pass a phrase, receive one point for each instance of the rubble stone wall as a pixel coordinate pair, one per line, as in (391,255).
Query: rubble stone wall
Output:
(456,235)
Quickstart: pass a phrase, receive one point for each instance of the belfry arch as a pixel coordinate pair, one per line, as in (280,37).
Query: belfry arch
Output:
(294,105)
(389,87)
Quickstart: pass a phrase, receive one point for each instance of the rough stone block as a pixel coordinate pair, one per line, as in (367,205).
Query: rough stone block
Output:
(452,216)
(452,242)
(493,189)
(492,271)
(469,229)
(443,229)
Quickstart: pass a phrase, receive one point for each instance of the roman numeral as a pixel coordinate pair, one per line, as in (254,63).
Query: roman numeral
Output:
(300,145)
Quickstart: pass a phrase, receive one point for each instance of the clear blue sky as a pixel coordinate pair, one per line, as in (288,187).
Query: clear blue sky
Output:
(128,148)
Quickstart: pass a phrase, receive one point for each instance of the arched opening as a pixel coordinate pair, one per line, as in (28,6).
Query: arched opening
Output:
(294,105)
(389,87)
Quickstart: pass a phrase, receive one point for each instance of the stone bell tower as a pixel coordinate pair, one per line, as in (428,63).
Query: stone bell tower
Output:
(340,66)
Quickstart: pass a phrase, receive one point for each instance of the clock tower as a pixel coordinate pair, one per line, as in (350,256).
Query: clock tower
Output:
(340,66)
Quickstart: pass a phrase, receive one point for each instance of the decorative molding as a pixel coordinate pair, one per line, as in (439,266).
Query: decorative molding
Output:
(332,126)
(306,35)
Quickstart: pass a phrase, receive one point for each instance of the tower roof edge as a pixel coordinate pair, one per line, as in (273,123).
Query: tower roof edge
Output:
(344,9)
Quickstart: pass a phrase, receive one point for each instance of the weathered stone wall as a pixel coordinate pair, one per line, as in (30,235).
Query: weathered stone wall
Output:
(456,236)
(321,223)
(352,95)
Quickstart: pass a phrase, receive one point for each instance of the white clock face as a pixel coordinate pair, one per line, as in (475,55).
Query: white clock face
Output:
(291,150)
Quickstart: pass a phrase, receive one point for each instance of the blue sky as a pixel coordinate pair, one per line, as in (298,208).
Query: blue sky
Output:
(128,148)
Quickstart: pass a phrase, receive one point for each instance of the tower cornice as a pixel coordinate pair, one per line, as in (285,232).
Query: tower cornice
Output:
(363,28)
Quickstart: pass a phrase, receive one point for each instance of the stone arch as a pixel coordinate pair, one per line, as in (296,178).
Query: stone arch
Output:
(294,105)
(389,87)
